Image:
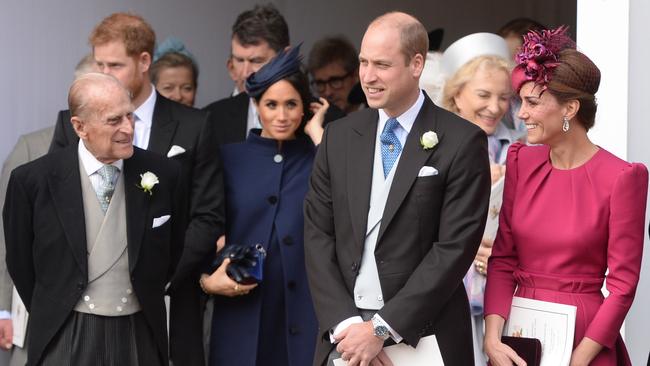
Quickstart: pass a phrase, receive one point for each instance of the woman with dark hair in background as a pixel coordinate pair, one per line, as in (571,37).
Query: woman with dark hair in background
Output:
(174,72)
(571,210)
(273,322)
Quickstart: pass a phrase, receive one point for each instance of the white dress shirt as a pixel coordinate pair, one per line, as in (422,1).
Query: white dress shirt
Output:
(91,165)
(143,119)
(253,118)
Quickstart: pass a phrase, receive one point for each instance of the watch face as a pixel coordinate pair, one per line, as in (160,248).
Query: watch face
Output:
(381,331)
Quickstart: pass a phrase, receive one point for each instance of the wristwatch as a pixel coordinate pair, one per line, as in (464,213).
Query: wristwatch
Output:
(380,330)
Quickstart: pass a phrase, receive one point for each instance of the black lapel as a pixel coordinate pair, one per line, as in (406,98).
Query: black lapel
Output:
(413,158)
(65,185)
(361,150)
(163,126)
(137,205)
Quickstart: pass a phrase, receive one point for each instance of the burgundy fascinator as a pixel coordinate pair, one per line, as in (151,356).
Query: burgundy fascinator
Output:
(539,56)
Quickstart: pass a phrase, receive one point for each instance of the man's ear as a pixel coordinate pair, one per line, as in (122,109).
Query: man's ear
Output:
(231,69)
(144,62)
(417,65)
(79,127)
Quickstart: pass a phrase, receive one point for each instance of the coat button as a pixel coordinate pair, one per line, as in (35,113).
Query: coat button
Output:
(287,240)
(273,200)
(291,285)
(293,330)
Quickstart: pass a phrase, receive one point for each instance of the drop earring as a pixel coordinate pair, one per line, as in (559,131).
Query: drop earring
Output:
(565,124)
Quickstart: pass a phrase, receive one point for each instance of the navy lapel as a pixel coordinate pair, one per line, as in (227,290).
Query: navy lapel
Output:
(360,157)
(411,161)
(163,126)
(65,185)
(137,206)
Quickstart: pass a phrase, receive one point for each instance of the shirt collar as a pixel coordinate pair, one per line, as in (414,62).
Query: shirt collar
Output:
(145,111)
(90,163)
(406,119)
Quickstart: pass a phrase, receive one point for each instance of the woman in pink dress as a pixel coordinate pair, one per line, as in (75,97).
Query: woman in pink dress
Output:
(571,210)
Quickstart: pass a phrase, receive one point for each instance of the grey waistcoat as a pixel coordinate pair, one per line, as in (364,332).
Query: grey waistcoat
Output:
(109,291)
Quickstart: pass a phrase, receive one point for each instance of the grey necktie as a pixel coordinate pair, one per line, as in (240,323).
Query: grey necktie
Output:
(107,185)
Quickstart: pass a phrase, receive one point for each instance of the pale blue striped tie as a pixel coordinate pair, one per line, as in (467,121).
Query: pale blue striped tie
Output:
(390,145)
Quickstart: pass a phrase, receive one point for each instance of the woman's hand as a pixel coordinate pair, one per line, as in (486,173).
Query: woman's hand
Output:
(314,127)
(585,352)
(500,354)
(218,283)
(482,256)
(497,171)
(221,242)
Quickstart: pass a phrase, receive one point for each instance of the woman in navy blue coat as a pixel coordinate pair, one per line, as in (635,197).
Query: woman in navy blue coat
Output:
(266,178)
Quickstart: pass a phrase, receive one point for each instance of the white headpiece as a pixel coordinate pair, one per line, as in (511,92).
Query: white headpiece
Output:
(471,46)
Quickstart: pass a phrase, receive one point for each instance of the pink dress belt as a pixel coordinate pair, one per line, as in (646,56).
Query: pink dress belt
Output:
(561,283)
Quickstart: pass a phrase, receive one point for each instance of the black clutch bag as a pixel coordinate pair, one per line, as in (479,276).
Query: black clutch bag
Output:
(530,349)
(246,262)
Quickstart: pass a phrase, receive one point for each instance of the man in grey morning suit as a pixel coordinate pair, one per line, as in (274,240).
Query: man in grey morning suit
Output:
(89,242)
(395,211)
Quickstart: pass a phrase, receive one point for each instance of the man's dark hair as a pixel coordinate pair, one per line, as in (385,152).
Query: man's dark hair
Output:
(333,49)
(263,23)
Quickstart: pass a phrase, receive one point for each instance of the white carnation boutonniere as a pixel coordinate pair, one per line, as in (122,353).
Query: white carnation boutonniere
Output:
(147,181)
(428,140)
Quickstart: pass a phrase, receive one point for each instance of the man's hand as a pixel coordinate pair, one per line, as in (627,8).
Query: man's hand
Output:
(381,360)
(6,333)
(358,344)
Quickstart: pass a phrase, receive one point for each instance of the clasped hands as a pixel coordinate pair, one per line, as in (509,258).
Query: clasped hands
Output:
(358,345)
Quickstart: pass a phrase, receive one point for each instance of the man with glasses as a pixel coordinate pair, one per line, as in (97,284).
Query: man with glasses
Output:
(334,69)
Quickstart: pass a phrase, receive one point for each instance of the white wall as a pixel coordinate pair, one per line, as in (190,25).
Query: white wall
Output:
(620,50)
(638,132)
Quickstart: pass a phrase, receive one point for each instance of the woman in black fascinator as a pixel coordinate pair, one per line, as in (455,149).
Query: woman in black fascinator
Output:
(263,313)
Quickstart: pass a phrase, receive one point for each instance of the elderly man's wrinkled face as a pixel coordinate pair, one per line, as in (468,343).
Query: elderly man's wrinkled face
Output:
(106,128)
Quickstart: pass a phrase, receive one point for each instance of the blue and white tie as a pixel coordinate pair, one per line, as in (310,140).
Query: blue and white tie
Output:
(390,145)
(107,185)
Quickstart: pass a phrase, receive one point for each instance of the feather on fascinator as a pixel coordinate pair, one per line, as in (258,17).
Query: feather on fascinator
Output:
(284,64)
(539,56)
(172,44)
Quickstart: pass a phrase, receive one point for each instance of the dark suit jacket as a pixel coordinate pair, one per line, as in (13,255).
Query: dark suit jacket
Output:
(430,231)
(46,240)
(230,116)
(176,124)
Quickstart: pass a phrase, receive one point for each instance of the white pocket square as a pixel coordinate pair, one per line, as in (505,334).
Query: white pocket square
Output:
(427,171)
(175,150)
(157,221)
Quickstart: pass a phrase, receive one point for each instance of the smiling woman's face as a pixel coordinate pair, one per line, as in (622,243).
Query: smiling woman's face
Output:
(281,111)
(485,98)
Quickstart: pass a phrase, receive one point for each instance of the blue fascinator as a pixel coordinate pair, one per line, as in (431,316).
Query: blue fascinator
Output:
(172,44)
(284,64)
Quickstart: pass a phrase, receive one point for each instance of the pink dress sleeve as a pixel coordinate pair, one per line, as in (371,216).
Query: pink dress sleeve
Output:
(625,248)
(500,283)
